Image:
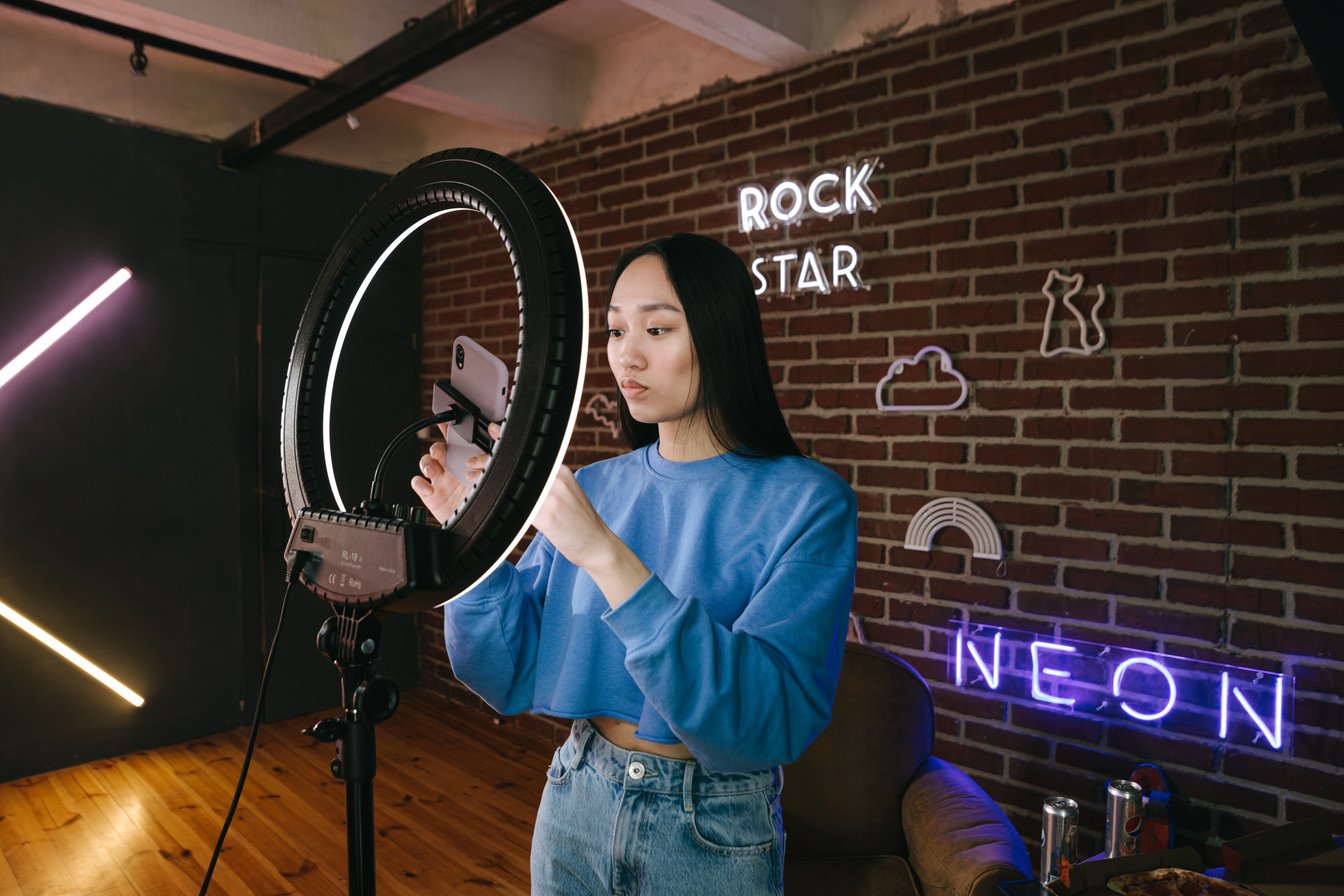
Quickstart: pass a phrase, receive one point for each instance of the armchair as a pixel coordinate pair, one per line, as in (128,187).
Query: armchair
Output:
(869,811)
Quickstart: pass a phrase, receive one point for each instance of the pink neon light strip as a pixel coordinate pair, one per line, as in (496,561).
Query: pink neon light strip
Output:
(63,326)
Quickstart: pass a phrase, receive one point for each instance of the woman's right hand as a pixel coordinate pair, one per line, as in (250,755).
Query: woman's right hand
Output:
(439,490)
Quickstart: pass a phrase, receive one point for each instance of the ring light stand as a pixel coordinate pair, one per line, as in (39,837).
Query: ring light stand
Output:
(374,558)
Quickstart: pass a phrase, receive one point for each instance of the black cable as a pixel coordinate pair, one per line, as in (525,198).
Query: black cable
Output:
(452,415)
(290,577)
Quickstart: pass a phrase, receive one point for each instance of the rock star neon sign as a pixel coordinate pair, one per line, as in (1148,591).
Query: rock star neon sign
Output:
(827,194)
(1227,702)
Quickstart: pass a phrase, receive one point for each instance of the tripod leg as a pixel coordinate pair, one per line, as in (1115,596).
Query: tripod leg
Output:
(356,755)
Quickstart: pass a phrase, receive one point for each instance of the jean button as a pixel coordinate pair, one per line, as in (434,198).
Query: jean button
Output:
(636,770)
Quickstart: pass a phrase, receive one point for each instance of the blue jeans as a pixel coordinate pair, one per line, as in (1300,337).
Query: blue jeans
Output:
(621,823)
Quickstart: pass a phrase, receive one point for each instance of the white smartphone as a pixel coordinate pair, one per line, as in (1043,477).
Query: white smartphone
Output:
(483,380)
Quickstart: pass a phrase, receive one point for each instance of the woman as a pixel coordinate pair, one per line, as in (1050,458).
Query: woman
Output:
(685,603)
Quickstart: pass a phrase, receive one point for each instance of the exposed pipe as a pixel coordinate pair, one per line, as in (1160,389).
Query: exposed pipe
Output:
(143,39)
(423,45)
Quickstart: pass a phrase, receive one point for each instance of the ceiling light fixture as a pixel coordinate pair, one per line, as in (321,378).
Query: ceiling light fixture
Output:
(61,649)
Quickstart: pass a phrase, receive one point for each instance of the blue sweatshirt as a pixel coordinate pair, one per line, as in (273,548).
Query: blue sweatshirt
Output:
(733,644)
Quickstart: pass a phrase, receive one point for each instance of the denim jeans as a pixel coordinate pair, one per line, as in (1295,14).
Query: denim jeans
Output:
(621,823)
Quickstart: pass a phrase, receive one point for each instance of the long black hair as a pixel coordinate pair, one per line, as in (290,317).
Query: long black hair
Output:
(736,393)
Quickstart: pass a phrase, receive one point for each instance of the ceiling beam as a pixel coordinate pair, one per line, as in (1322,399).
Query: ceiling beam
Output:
(777,33)
(437,37)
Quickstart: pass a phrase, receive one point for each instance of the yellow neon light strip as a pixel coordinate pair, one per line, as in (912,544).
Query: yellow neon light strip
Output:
(58,647)
(64,325)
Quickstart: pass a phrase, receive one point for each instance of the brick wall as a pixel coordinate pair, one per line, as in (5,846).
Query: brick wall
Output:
(1182,490)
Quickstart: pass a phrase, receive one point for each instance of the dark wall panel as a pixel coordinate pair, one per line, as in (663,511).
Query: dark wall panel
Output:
(130,489)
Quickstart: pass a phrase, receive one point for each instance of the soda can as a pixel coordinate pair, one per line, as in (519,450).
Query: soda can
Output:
(1124,818)
(1059,838)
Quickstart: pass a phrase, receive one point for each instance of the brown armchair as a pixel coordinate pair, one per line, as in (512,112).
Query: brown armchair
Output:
(869,811)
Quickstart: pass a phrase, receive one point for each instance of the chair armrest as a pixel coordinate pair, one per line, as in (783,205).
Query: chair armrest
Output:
(961,843)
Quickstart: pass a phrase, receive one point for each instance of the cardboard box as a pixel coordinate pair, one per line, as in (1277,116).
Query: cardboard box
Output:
(1298,859)
(1089,878)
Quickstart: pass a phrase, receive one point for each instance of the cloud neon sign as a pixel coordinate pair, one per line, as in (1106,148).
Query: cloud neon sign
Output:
(1229,703)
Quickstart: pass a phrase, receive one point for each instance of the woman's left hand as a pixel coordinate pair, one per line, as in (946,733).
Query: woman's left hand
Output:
(569,521)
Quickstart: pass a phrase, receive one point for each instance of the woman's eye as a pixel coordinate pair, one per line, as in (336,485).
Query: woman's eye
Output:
(657,331)
(614,333)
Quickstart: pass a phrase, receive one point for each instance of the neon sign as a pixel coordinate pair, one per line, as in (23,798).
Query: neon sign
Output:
(1229,703)
(827,194)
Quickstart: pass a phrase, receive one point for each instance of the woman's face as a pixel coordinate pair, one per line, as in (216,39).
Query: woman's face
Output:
(649,346)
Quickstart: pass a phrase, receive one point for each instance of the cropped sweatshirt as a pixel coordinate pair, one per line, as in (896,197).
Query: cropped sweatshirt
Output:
(733,644)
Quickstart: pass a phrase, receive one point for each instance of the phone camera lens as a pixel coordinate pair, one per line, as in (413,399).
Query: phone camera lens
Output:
(461,357)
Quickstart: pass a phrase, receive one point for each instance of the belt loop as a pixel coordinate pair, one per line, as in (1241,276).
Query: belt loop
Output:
(585,737)
(688,787)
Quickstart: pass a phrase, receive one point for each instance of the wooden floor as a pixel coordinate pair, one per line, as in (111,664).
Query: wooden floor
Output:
(455,798)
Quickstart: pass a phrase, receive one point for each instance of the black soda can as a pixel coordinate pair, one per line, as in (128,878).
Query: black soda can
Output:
(1124,818)
(1059,838)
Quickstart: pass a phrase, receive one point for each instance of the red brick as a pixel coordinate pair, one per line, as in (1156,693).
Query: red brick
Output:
(1123,148)
(1321,609)
(1124,398)
(1178,235)
(1282,639)
(1167,109)
(1096,489)
(1108,581)
(1020,108)
(1290,432)
(961,93)
(1323,183)
(1065,547)
(1071,248)
(1179,171)
(1017,455)
(1221,595)
(1126,86)
(903,55)
(976,145)
(1226,265)
(1056,189)
(1321,539)
(1137,460)
(1282,499)
(967,592)
(1291,293)
(1276,86)
(1176,301)
(1298,363)
(974,482)
(1224,530)
(936,74)
(1124,210)
(1238,61)
(1069,69)
(933,181)
(905,478)
(1012,398)
(968,36)
(1165,620)
(1163,493)
(964,201)
(980,426)
(1230,397)
(1072,428)
(1320,467)
(978,257)
(1012,55)
(1020,166)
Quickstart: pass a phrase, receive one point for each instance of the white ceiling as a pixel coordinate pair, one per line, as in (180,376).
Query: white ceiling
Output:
(580,64)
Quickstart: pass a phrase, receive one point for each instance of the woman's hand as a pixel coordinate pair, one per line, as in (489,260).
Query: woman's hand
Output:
(570,523)
(439,489)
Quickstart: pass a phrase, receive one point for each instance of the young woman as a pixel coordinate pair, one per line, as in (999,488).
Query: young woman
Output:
(685,603)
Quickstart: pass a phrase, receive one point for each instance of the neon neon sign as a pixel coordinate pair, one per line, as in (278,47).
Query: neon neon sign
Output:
(827,194)
(1230,703)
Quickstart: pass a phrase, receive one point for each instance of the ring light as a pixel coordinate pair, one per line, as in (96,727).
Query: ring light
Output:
(369,558)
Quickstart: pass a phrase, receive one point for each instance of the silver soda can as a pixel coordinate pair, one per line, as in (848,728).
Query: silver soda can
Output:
(1124,817)
(1059,838)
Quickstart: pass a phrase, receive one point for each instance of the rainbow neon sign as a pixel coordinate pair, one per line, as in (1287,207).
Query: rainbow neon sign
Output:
(1230,703)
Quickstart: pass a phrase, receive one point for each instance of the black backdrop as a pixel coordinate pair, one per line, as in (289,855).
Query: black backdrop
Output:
(140,517)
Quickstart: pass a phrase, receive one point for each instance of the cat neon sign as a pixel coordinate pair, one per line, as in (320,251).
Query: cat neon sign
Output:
(826,195)
(1227,702)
